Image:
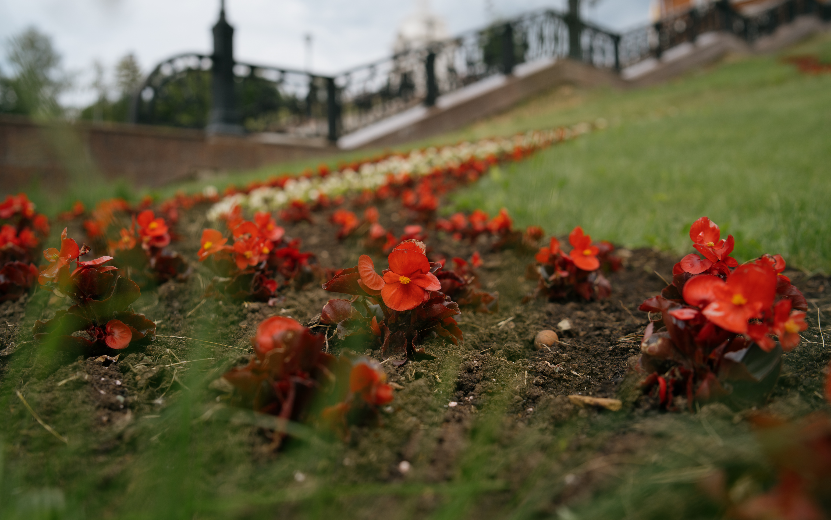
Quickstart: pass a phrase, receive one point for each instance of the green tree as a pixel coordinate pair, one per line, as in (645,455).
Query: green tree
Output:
(37,80)
(127,79)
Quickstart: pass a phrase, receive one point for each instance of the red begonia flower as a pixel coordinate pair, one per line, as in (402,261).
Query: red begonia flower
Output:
(743,296)
(706,238)
(787,325)
(118,335)
(212,242)
(371,215)
(153,231)
(368,275)
(58,259)
(267,227)
(126,242)
(584,255)
(408,278)
(41,224)
(369,382)
(705,232)
(267,336)
(544,255)
(249,251)
(501,223)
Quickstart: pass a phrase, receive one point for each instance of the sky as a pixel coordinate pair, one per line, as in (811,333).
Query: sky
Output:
(344,33)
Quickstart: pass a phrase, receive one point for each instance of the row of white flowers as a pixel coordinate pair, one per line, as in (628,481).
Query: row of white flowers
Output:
(371,176)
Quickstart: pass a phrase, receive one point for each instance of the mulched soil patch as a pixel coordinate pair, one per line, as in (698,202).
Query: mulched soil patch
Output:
(117,405)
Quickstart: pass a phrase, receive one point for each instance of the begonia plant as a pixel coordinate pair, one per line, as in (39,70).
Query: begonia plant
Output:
(248,268)
(100,315)
(562,275)
(142,247)
(717,322)
(291,377)
(400,309)
(22,231)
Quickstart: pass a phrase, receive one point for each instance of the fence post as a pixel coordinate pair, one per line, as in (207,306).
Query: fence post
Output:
(430,73)
(575,25)
(224,118)
(659,47)
(616,40)
(694,25)
(508,57)
(332,110)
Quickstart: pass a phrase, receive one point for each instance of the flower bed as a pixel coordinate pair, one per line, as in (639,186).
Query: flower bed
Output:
(363,318)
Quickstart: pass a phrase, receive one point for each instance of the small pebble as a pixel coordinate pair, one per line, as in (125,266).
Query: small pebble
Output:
(299,477)
(564,325)
(453,404)
(403,466)
(546,338)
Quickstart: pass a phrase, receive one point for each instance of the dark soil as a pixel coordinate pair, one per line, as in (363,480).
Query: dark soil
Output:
(492,412)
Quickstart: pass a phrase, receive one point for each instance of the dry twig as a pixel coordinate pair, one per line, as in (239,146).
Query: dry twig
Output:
(39,420)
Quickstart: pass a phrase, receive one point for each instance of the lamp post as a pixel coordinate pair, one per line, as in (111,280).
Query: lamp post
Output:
(575,26)
(224,118)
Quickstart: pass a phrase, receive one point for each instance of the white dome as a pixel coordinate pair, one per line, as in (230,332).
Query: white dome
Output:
(420,28)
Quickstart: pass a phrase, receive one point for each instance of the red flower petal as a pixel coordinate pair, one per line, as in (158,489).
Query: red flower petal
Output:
(704,231)
(362,378)
(578,239)
(684,313)
(402,297)
(755,283)
(145,218)
(265,339)
(406,261)
(118,334)
(584,262)
(428,281)
(698,290)
(694,264)
(383,395)
(368,275)
(69,249)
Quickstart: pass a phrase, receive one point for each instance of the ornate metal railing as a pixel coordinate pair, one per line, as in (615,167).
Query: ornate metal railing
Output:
(372,92)
(654,39)
(269,99)
(296,103)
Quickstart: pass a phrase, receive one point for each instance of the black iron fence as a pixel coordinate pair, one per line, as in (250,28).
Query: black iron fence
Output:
(300,104)
(269,99)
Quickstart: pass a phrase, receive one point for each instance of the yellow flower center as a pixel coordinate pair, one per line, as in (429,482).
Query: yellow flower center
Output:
(152,226)
(739,299)
(587,252)
(208,245)
(248,254)
(791,327)
(266,250)
(404,280)
(710,244)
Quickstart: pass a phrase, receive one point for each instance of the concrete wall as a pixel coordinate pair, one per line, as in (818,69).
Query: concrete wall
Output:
(51,154)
